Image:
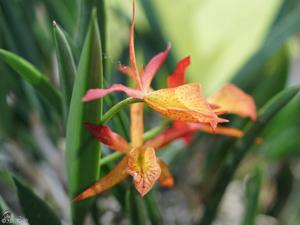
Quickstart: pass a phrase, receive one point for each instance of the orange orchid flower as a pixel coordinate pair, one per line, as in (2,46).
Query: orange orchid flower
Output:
(183,103)
(139,162)
(229,99)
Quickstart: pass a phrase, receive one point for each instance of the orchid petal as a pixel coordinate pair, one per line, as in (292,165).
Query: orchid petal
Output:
(153,66)
(143,166)
(125,70)
(112,178)
(106,136)
(166,179)
(227,131)
(133,64)
(231,99)
(184,103)
(94,94)
(178,76)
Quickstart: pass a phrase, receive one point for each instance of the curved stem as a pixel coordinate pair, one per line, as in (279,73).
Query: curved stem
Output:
(116,108)
(156,130)
(110,158)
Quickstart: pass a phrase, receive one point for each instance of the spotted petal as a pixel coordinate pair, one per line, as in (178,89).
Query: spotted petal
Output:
(184,103)
(166,179)
(178,76)
(231,99)
(143,166)
(106,136)
(112,178)
(153,66)
(227,131)
(94,94)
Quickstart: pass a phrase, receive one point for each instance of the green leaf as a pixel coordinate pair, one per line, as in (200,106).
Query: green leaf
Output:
(83,151)
(284,182)
(135,208)
(153,209)
(34,77)
(253,187)
(241,147)
(282,145)
(86,7)
(67,69)
(248,75)
(35,209)
(5,210)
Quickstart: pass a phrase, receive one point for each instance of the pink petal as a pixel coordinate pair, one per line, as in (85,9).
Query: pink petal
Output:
(178,76)
(133,64)
(153,66)
(94,94)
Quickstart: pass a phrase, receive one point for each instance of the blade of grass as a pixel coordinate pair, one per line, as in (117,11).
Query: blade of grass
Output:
(67,69)
(85,10)
(35,209)
(83,160)
(241,148)
(153,209)
(135,208)
(253,187)
(34,77)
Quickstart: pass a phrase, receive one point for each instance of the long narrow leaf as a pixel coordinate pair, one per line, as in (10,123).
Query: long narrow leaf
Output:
(34,77)
(67,69)
(35,209)
(83,155)
(253,187)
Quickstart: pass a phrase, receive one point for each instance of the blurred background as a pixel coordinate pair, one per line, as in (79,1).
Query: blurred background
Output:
(253,44)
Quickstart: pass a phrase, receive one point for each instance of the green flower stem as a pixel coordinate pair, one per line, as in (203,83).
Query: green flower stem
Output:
(116,108)
(148,135)
(156,130)
(111,157)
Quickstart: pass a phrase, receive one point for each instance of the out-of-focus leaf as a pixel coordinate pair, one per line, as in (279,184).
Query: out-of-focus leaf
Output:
(274,77)
(248,75)
(4,210)
(83,153)
(135,208)
(67,70)
(283,145)
(86,7)
(284,186)
(34,77)
(36,210)
(153,209)
(288,117)
(6,122)
(216,34)
(241,147)
(64,13)
(253,187)
(20,30)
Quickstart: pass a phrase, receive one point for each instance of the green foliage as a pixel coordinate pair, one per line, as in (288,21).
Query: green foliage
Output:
(36,210)
(83,152)
(35,78)
(252,194)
